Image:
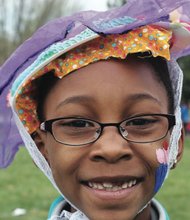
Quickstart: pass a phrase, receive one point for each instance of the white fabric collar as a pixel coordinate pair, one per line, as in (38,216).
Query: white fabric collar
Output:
(57,211)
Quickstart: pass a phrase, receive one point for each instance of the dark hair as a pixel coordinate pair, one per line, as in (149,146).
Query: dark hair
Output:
(45,83)
(43,86)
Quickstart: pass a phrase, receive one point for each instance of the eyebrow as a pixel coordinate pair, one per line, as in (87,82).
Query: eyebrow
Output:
(82,99)
(141,97)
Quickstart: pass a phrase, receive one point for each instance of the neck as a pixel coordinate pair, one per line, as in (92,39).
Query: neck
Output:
(145,214)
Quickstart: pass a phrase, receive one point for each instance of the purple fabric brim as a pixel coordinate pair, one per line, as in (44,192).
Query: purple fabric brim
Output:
(134,14)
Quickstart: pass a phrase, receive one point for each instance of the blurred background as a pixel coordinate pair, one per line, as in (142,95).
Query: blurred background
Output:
(24,192)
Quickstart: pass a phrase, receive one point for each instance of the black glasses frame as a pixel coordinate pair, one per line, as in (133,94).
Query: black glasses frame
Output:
(47,126)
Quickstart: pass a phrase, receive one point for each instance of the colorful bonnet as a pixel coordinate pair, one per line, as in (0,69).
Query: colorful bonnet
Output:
(146,38)
(67,44)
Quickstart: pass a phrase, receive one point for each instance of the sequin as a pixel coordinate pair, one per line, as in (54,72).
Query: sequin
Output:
(114,45)
(151,37)
(20,111)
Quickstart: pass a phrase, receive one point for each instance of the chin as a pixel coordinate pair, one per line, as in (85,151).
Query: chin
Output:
(112,214)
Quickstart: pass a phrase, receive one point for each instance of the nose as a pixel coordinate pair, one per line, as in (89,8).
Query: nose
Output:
(111,147)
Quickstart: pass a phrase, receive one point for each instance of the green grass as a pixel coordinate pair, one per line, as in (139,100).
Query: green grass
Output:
(175,194)
(22,185)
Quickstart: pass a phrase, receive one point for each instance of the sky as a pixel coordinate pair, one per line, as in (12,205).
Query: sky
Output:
(99,5)
(94,4)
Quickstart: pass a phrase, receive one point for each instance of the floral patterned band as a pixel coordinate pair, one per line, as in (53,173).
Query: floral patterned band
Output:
(146,38)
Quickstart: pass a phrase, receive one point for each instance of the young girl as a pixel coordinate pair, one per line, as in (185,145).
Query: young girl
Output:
(96,99)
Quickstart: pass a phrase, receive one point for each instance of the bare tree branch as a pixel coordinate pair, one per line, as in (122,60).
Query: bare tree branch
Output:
(26,16)
(115,3)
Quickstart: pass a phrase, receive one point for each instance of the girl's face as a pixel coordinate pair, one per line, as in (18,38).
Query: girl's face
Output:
(108,92)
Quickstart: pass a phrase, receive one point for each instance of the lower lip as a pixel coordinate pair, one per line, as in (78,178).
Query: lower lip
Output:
(111,195)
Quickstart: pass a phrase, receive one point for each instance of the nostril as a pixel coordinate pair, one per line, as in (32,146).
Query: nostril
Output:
(98,158)
(126,157)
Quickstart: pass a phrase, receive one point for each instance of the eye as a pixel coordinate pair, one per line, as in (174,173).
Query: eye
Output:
(75,123)
(80,123)
(141,122)
(144,122)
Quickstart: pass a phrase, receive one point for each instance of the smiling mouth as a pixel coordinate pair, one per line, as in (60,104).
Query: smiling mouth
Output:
(112,185)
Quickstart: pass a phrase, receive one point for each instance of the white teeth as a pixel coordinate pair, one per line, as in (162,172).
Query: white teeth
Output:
(107,185)
(130,183)
(124,186)
(100,186)
(134,182)
(90,184)
(111,186)
(113,189)
(95,185)
(116,188)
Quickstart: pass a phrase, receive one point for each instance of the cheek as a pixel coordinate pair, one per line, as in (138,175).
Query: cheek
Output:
(56,156)
(64,172)
(162,155)
(62,158)
(65,163)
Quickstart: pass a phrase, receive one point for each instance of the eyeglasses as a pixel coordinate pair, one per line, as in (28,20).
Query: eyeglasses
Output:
(75,131)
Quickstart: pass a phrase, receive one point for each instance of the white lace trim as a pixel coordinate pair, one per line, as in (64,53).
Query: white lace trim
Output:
(176,76)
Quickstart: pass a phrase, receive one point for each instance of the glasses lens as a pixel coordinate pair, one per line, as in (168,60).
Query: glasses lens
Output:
(145,128)
(75,131)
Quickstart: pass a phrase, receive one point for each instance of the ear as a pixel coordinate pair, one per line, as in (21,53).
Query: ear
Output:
(181,145)
(39,138)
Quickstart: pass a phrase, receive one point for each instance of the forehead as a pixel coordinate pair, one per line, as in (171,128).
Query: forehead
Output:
(109,80)
(113,73)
